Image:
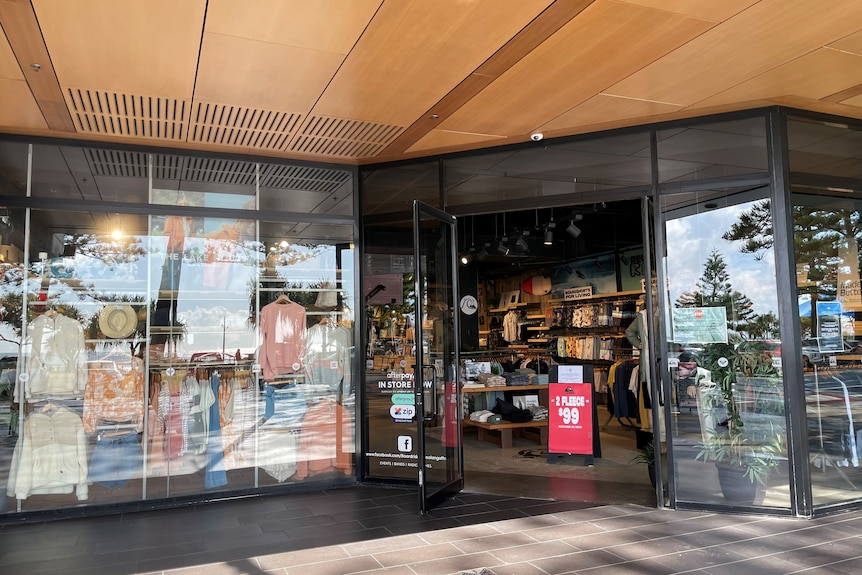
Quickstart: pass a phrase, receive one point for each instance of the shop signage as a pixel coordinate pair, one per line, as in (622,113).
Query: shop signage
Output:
(570,418)
(699,324)
(829,325)
(583,292)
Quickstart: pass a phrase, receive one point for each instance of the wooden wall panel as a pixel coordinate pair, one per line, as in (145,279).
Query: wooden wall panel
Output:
(410,56)
(143,47)
(605,43)
(766,35)
(326,25)
(262,74)
(814,75)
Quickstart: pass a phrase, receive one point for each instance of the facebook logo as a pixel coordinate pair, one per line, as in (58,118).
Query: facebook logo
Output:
(405,443)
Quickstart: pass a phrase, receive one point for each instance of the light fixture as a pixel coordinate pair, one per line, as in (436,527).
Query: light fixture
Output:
(521,245)
(465,259)
(283,244)
(117,234)
(573,230)
(502,248)
(549,237)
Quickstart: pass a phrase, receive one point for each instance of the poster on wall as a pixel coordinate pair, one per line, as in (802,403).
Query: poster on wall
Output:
(699,324)
(597,272)
(632,269)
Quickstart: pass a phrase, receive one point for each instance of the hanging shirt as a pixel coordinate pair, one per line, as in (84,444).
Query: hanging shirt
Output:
(115,390)
(282,326)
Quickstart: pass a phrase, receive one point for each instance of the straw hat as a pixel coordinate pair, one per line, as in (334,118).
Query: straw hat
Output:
(118,321)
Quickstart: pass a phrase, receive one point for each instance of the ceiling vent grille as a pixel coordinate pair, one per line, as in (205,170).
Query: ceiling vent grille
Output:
(203,170)
(238,126)
(343,138)
(304,178)
(113,114)
(115,163)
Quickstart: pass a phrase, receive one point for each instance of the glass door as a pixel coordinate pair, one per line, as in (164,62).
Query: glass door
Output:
(727,434)
(437,376)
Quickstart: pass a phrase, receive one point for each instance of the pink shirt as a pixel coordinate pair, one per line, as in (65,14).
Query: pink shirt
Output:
(282,327)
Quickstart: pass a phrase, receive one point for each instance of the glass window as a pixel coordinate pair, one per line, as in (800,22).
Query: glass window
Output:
(204,182)
(389,190)
(175,353)
(824,148)
(725,380)
(827,236)
(548,170)
(710,151)
(13,168)
(306,190)
(93,174)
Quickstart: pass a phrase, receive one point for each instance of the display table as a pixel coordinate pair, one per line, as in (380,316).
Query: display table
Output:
(502,434)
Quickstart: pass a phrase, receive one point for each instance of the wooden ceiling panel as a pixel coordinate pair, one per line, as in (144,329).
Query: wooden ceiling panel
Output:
(814,75)
(326,25)
(262,75)
(410,56)
(19,108)
(9,68)
(141,47)
(753,42)
(605,43)
(600,108)
(713,10)
(851,43)
(437,139)
(363,81)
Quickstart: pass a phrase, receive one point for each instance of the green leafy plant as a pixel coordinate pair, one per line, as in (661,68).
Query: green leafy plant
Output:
(749,396)
(645,456)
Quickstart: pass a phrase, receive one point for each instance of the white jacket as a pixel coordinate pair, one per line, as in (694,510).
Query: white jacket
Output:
(51,456)
(57,362)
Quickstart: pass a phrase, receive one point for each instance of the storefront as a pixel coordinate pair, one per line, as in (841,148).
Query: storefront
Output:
(185,327)
(732,211)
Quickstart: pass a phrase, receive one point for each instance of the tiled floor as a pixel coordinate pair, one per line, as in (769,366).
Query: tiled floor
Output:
(377,531)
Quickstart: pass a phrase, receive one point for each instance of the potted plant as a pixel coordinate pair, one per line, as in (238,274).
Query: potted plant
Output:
(744,430)
(646,456)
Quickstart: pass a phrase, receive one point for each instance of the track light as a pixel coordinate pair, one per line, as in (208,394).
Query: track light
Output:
(465,259)
(573,230)
(521,245)
(483,253)
(502,248)
(549,237)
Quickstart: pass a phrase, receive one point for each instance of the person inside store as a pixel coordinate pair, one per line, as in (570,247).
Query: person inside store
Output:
(806,364)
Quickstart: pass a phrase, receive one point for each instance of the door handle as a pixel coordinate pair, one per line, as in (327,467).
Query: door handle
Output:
(433,412)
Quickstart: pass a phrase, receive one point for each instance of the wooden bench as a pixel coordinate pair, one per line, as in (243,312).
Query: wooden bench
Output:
(536,431)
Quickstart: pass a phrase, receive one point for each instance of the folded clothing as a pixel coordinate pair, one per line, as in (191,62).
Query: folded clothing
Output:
(481,416)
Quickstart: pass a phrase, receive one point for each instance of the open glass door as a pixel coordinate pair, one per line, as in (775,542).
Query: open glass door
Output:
(437,376)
